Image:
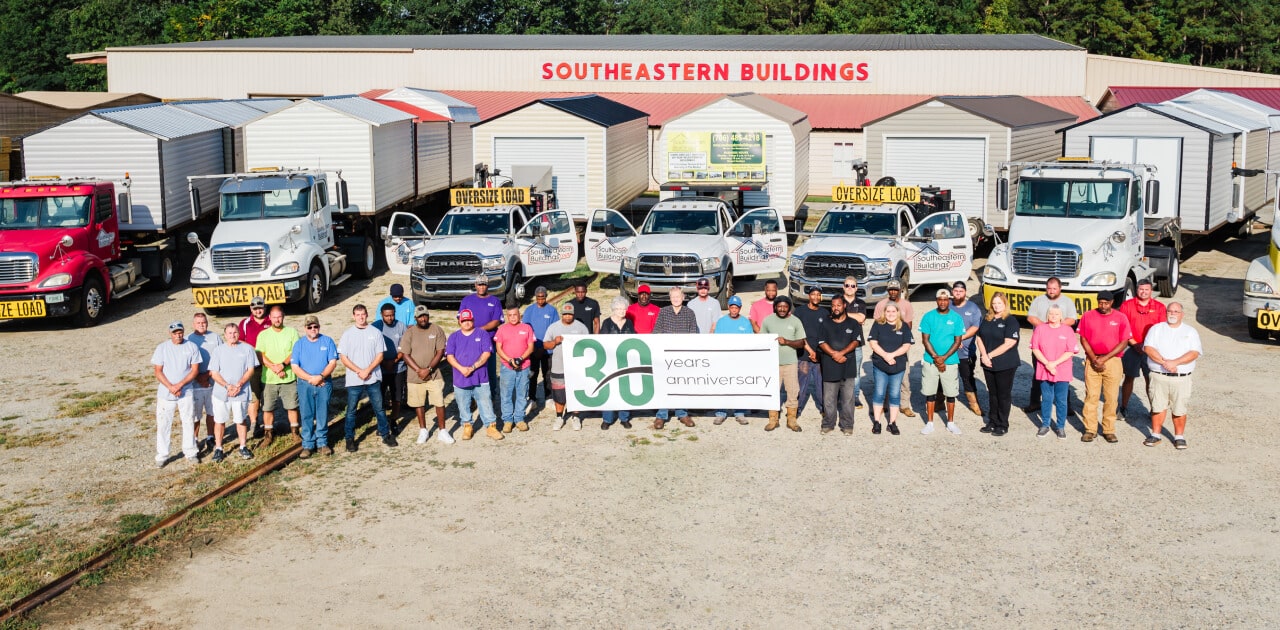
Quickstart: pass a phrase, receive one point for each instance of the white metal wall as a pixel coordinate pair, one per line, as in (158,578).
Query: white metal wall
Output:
(461,154)
(392,154)
(958,163)
(309,136)
(198,154)
(626,162)
(568,160)
(433,156)
(823,171)
(1103,72)
(539,121)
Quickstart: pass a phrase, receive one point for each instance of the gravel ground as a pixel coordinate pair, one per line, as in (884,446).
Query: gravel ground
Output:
(711,527)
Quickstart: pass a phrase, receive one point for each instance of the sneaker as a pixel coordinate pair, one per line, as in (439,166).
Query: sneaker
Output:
(423,436)
(720,418)
(328,452)
(193,461)
(218,455)
(305,454)
(999,432)
(206,444)
(1152,441)
(626,424)
(742,420)
(444,437)
(928,428)
(1180,443)
(557,424)
(162,463)
(577,423)
(1044,430)
(986,428)
(244,452)
(1061,433)
(351,446)
(493,432)
(875,428)
(390,440)
(953,428)
(893,429)
(522,426)
(847,431)
(826,430)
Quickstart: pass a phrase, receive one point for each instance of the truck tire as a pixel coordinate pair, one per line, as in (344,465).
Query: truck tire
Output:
(315,288)
(369,259)
(1255,331)
(726,291)
(93,304)
(1130,290)
(904,279)
(514,279)
(166,273)
(1168,283)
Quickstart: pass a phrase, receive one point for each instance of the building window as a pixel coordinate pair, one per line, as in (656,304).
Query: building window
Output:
(842,158)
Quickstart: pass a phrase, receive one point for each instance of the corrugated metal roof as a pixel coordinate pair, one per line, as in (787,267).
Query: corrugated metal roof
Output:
(628,42)
(232,113)
(660,107)
(595,108)
(1011,111)
(1074,105)
(359,107)
(160,120)
(419,114)
(847,111)
(434,101)
(1230,109)
(1124,96)
(1169,111)
(78,100)
(266,104)
(768,106)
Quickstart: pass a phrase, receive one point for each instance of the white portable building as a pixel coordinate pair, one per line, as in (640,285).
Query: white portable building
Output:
(1257,147)
(786,145)
(371,143)
(1191,153)
(597,149)
(461,117)
(157,146)
(235,114)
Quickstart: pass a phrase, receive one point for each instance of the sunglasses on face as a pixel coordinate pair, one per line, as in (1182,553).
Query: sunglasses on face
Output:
(310,326)
(850,286)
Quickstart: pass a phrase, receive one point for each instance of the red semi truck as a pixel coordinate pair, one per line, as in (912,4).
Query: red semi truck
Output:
(63,252)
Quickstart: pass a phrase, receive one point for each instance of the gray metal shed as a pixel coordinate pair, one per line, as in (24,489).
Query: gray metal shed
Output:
(235,115)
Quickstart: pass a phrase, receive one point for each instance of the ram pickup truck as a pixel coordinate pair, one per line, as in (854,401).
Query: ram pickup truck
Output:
(684,239)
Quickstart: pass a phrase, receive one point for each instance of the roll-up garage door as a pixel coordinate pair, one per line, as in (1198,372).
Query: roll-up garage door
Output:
(566,156)
(1163,153)
(956,163)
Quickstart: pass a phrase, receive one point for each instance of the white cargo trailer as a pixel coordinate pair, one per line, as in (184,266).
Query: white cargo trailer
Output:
(461,116)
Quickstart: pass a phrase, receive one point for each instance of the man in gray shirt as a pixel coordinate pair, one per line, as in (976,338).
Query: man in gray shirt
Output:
(231,368)
(176,362)
(202,393)
(705,308)
(1038,313)
(552,341)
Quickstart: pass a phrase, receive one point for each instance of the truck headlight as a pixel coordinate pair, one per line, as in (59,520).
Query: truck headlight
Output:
(992,272)
(56,280)
(796,265)
(199,274)
(1102,279)
(879,267)
(710,265)
(286,269)
(492,263)
(629,263)
(1250,286)
(420,265)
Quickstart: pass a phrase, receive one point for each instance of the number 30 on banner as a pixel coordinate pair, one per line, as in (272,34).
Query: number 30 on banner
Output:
(623,372)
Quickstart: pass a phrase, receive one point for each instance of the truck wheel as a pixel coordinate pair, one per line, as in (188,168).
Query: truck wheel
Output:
(1168,284)
(513,283)
(1130,290)
(975,231)
(93,305)
(166,274)
(726,291)
(905,281)
(315,288)
(370,262)
(1255,331)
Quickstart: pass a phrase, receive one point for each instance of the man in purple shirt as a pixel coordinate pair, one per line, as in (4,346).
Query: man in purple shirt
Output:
(485,308)
(468,351)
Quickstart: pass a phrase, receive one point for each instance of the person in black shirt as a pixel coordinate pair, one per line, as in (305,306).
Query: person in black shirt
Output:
(585,309)
(808,368)
(856,309)
(839,336)
(997,347)
(889,339)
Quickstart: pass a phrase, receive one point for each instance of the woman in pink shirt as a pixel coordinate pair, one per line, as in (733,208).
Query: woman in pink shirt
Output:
(1053,345)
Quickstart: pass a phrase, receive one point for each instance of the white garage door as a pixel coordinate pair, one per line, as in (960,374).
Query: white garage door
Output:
(566,156)
(955,163)
(1164,153)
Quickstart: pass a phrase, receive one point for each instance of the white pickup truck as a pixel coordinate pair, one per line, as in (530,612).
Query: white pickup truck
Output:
(879,243)
(499,242)
(684,239)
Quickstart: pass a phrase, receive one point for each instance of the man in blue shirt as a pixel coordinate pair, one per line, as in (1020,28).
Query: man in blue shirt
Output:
(941,331)
(540,315)
(403,305)
(315,357)
(733,324)
(971,313)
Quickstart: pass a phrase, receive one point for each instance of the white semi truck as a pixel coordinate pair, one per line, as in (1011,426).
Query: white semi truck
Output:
(1262,279)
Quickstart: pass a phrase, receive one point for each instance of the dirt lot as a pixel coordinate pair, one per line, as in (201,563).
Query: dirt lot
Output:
(712,526)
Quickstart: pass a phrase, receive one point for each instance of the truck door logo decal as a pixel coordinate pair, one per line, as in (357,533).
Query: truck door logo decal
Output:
(608,252)
(105,238)
(542,254)
(928,258)
(752,251)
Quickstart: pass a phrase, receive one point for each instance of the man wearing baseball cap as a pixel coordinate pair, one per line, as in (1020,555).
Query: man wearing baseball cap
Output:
(250,327)
(705,308)
(734,324)
(971,313)
(898,297)
(940,333)
(539,316)
(1104,335)
(551,341)
(644,313)
(809,368)
(176,362)
(315,357)
(402,304)
(468,350)
(423,350)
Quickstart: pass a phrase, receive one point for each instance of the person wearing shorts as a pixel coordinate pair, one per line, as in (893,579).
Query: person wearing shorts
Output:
(423,349)
(202,393)
(1171,348)
(315,357)
(279,383)
(231,367)
(1143,312)
(941,331)
(250,328)
(551,341)
(176,363)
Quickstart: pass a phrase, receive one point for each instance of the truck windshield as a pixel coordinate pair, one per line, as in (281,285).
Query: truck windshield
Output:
(1065,198)
(480,224)
(31,213)
(858,224)
(680,222)
(268,204)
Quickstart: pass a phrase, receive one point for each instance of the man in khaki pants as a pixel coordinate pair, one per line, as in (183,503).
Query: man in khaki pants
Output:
(1104,335)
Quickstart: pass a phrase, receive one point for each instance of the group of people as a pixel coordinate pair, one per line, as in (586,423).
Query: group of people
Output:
(398,358)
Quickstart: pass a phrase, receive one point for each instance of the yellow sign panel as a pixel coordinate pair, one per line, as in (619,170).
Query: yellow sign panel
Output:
(875,194)
(1020,300)
(238,295)
(21,309)
(1268,319)
(489,196)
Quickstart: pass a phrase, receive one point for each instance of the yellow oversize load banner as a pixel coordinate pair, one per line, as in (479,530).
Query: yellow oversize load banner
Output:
(612,372)
(875,194)
(716,155)
(489,196)
(240,295)
(22,309)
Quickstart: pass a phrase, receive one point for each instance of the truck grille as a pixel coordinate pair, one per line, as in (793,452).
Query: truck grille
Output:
(240,258)
(17,268)
(662,265)
(1045,262)
(834,268)
(451,265)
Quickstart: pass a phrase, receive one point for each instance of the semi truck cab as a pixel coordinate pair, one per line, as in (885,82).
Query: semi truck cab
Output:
(1262,284)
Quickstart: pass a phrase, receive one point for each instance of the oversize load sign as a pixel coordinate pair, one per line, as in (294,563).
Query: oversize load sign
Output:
(725,155)
(240,295)
(612,372)
(875,194)
(488,196)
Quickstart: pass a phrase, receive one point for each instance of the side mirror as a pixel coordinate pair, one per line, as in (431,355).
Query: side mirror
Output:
(383,232)
(343,201)
(195,201)
(748,230)
(1002,193)
(193,238)
(1153,196)
(297,229)
(535,229)
(926,233)
(610,231)
(66,241)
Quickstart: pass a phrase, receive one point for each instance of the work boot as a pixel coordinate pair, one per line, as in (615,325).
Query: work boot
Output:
(973,403)
(467,430)
(268,436)
(773,421)
(294,431)
(791,420)
(493,432)
(906,411)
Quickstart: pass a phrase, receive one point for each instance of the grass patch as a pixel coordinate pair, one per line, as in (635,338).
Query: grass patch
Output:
(8,418)
(457,464)
(39,438)
(128,389)
(133,524)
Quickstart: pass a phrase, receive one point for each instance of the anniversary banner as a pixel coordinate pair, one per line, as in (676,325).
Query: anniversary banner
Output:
(614,372)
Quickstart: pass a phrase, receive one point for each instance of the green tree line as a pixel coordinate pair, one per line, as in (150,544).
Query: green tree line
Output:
(35,37)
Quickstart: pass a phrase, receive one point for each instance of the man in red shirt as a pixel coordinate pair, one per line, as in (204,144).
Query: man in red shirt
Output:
(643,314)
(1142,313)
(1104,335)
(250,326)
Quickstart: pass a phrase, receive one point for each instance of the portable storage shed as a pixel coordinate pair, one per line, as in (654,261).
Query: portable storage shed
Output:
(235,114)
(958,142)
(156,145)
(1191,153)
(1257,147)
(786,145)
(597,149)
(371,144)
(460,165)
